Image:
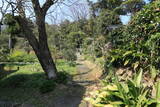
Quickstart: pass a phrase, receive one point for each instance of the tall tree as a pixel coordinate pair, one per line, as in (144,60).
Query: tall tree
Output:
(40,43)
(133,6)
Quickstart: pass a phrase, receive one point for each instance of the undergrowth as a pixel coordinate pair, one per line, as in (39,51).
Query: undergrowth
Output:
(32,80)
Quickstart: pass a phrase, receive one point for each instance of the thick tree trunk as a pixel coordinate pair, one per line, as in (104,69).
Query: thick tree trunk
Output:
(1,67)
(45,55)
(40,48)
(46,62)
(40,45)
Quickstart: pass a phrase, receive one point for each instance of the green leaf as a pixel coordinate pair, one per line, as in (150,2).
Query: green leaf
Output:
(126,62)
(142,98)
(113,59)
(158,91)
(116,103)
(127,53)
(125,87)
(138,78)
(135,65)
(151,101)
(153,72)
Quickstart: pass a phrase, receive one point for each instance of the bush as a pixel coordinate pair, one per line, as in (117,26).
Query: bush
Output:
(72,64)
(131,93)
(4,50)
(142,50)
(86,46)
(69,54)
(47,86)
(21,56)
(14,81)
(4,53)
(62,78)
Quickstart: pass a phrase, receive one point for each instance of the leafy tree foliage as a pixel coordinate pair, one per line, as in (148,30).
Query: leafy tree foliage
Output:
(143,33)
(4,50)
(135,48)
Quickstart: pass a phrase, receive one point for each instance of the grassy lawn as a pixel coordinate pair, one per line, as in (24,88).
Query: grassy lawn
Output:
(23,85)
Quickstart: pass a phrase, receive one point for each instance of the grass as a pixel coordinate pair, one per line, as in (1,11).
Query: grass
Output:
(69,67)
(23,85)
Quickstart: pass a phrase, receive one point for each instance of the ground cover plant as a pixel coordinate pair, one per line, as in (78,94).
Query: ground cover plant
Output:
(30,79)
(129,93)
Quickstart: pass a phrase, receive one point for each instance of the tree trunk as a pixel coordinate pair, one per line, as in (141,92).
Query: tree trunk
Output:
(40,48)
(45,54)
(40,45)
(1,67)
(46,62)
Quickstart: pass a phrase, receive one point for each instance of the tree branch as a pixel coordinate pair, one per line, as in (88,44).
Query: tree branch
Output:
(36,6)
(47,5)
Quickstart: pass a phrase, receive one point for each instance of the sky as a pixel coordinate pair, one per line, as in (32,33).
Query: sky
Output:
(126,19)
(65,10)
(65,13)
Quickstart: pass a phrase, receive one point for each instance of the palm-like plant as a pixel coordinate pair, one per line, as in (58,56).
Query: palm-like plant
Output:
(131,93)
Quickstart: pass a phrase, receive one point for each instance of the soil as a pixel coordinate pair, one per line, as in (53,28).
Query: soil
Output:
(86,80)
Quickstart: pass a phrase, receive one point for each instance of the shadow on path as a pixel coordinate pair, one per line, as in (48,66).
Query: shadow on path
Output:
(4,73)
(72,97)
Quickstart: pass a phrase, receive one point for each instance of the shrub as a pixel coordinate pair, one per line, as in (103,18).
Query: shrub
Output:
(47,86)
(86,46)
(4,50)
(62,78)
(72,63)
(76,38)
(14,81)
(21,56)
(69,54)
(142,32)
(131,93)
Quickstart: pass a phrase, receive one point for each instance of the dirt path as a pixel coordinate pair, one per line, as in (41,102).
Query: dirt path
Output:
(87,72)
(83,82)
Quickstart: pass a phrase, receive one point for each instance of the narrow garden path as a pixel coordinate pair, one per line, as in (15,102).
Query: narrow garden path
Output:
(87,72)
(84,81)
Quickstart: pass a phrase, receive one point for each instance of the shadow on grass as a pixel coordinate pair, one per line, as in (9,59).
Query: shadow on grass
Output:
(4,73)
(11,68)
(25,89)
